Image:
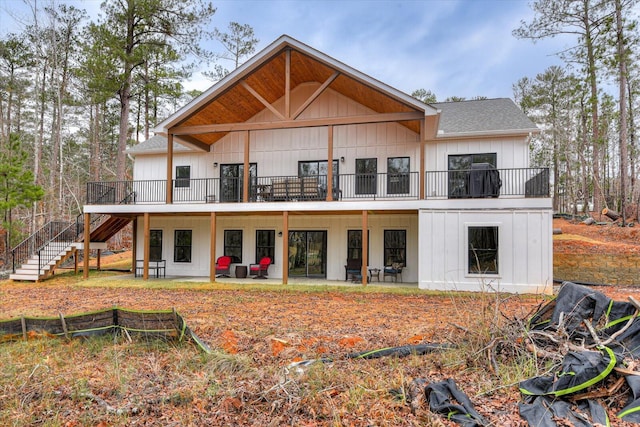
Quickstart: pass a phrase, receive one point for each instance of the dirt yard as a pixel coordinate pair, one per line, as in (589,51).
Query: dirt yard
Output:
(273,327)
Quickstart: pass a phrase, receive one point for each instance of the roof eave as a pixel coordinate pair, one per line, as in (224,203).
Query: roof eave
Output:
(505,132)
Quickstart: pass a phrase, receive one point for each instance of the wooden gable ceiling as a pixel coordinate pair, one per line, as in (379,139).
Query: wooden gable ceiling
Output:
(237,104)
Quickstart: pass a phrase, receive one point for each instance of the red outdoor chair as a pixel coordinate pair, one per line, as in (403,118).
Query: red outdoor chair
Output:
(223,266)
(260,270)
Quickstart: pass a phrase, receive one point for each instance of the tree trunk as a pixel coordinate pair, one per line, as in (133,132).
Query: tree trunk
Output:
(622,62)
(611,214)
(593,101)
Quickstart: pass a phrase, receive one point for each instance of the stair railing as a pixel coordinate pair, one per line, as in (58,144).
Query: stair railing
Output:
(66,237)
(55,231)
(56,245)
(32,244)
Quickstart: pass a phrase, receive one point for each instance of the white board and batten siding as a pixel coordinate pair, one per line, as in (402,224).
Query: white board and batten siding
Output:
(524,250)
(335,226)
(512,152)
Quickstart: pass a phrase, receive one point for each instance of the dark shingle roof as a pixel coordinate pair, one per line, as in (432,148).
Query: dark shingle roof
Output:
(500,115)
(155,144)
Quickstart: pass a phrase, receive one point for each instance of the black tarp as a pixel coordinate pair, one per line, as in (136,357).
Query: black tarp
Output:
(612,341)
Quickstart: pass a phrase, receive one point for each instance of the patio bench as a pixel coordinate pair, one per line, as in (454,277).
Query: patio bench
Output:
(157,267)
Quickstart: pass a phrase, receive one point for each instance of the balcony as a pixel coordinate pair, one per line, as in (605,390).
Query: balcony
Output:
(529,182)
(487,182)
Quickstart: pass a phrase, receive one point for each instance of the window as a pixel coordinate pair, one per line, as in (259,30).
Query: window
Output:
(395,246)
(398,175)
(183,175)
(460,167)
(182,246)
(354,245)
(265,244)
(233,245)
(483,250)
(366,176)
(155,245)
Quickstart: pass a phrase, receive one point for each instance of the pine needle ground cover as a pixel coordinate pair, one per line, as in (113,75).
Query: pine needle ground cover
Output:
(257,334)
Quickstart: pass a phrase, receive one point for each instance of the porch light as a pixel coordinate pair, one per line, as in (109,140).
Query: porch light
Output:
(215,164)
(279,233)
(342,159)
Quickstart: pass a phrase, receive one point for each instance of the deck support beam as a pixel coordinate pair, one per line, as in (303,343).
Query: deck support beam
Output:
(421,176)
(169,168)
(86,249)
(212,248)
(329,163)
(134,245)
(365,244)
(285,247)
(247,172)
(147,246)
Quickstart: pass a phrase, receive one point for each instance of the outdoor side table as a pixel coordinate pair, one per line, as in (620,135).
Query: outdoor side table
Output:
(241,271)
(374,272)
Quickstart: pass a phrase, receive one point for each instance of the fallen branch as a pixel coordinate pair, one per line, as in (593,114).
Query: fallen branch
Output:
(626,371)
(592,331)
(600,393)
(624,328)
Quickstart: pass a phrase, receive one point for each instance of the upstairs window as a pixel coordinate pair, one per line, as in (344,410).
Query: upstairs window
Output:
(183,176)
(366,176)
(398,175)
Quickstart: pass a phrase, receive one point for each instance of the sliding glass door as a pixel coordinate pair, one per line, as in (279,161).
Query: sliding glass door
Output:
(308,253)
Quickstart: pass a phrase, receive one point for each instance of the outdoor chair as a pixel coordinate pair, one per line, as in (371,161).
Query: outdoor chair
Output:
(394,270)
(260,269)
(353,268)
(223,266)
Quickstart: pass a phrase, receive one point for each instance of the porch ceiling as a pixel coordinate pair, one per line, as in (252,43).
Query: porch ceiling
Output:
(237,104)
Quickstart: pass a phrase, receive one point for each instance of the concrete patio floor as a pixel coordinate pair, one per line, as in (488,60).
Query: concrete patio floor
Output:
(293,281)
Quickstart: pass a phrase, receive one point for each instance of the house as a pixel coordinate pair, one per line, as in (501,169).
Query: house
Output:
(301,158)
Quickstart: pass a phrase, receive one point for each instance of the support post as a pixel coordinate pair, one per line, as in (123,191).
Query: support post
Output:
(212,248)
(329,163)
(247,172)
(147,246)
(169,168)
(134,246)
(365,245)
(421,175)
(98,260)
(86,248)
(285,247)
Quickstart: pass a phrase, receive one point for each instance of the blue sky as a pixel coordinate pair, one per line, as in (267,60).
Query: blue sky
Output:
(451,47)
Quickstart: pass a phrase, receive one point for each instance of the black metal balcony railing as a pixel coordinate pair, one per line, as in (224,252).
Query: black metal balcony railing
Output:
(483,183)
(530,182)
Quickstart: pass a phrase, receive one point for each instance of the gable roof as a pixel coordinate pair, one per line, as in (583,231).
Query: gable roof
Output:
(236,98)
(486,116)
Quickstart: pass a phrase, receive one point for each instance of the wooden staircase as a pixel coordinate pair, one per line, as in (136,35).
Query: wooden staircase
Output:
(42,263)
(31,270)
